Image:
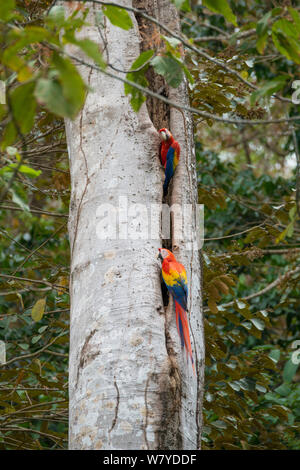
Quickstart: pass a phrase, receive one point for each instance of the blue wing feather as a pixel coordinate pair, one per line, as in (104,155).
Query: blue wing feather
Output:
(169,169)
(179,291)
(180,328)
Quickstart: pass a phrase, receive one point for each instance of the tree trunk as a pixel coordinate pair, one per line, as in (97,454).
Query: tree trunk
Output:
(130,387)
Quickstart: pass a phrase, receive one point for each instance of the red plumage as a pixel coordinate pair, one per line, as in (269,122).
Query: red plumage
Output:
(165,145)
(174,276)
(183,331)
(163,150)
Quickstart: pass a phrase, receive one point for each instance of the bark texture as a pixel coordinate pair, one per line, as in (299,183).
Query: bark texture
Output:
(130,387)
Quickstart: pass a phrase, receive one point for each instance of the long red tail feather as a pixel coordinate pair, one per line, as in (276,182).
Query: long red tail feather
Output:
(183,331)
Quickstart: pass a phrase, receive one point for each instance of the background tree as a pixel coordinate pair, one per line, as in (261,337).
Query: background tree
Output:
(241,62)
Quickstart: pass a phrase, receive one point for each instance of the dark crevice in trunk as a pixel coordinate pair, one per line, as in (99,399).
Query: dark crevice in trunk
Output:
(159,112)
(165,293)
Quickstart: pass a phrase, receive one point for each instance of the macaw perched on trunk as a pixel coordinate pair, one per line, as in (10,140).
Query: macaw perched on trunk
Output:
(169,153)
(174,276)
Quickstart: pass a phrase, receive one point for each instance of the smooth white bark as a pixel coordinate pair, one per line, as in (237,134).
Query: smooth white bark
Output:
(130,387)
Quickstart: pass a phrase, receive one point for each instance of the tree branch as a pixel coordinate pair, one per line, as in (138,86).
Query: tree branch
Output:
(34,281)
(187,44)
(34,211)
(36,353)
(38,248)
(190,109)
(266,289)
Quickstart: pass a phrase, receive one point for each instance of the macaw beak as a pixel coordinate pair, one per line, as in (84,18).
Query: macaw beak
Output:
(159,256)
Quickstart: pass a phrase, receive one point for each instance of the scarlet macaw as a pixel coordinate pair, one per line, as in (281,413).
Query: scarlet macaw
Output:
(169,152)
(174,276)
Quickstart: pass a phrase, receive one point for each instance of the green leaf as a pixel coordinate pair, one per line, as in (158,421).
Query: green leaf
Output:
(22,169)
(173,56)
(262,32)
(23,104)
(38,310)
(275,355)
(137,96)
(50,93)
(286,27)
(287,232)
(92,50)
(56,15)
(219,424)
(33,34)
(72,84)
(21,39)
(25,37)
(261,43)
(183,5)
(296,16)
(277,11)
(142,59)
(17,64)
(269,88)
(174,53)
(56,19)
(247,325)
(118,16)
(259,324)
(89,47)
(260,388)
(6,9)
(235,386)
(292,212)
(42,329)
(262,25)
(172,42)
(287,46)
(3,109)
(285,37)
(65,94)
(169,68)
(9,135)
(289,370)
(240,304)
(36,338)
(283,389)
(19,201)
(222,7)
(27,170)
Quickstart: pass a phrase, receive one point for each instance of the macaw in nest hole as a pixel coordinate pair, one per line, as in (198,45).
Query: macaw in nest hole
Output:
(174,276)
(169,153)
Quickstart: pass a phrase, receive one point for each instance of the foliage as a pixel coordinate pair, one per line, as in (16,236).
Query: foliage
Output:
(252,222)
(248,53)
(252,396)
